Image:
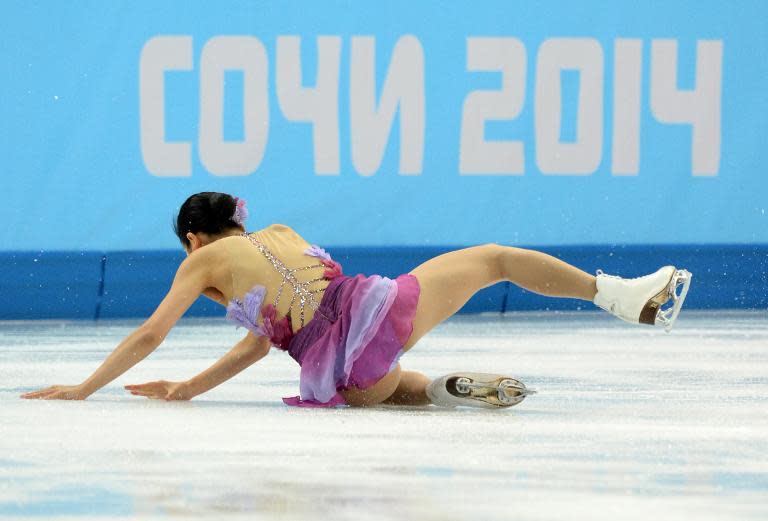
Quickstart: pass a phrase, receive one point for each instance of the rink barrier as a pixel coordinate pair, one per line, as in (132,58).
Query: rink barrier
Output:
(105,285)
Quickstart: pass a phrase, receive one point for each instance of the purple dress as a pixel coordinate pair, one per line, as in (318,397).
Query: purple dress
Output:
(354,339)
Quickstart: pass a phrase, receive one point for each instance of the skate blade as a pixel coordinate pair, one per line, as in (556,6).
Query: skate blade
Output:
(667,317)
(499,392)
(651,309)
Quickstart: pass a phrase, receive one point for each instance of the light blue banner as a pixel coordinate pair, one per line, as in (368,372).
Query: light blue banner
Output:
(386,123)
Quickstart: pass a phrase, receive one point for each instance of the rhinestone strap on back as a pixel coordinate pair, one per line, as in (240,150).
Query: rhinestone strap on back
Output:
(300,289)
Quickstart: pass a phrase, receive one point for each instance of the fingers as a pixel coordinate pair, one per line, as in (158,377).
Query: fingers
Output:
(50,395)
(151,396)
(148,394)
(151,390)
(40,394)
(149,386)
(58,395)
(141,390)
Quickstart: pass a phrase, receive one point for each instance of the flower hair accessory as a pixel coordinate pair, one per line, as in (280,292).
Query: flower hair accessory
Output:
(241,212)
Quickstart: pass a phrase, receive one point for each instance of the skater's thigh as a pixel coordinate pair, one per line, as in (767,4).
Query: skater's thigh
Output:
(375,394)
(448,281)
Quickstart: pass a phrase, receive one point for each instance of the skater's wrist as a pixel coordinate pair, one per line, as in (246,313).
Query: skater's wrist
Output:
(192,387)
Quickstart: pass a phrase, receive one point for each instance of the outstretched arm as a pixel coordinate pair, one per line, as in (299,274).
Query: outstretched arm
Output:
(191,279)
(248,351)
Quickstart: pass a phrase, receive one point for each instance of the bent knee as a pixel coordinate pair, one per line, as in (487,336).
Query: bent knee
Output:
(494,257)
(375,394)
(500,259)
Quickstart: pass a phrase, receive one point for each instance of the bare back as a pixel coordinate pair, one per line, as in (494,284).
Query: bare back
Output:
(245,266)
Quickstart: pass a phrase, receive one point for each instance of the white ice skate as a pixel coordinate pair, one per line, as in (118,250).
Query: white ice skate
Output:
(640,300)
(477,390)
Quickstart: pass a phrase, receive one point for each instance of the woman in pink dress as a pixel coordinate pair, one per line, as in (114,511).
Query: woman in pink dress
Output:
(349,332)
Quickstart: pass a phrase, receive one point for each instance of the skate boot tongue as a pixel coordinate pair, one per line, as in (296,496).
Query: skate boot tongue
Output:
(491,391)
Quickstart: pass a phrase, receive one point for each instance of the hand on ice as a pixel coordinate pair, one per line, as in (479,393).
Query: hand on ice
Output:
(161,390)
(58,392)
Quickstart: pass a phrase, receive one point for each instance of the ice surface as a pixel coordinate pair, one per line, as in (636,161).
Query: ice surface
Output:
(630,423)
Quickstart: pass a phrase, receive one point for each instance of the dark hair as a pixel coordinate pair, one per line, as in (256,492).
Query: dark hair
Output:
(207,212)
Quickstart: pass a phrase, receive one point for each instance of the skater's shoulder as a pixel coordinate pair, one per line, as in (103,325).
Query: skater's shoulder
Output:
(283,230)
(280,228)
(210,254)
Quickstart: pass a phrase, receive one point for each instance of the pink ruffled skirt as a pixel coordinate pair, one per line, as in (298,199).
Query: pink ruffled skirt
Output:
(355,337)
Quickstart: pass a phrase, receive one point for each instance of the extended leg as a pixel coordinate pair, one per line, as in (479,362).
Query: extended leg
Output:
(449,280)
(545,274)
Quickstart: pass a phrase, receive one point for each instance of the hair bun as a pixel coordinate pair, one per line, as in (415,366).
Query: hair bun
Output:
(208,212)
(223,207)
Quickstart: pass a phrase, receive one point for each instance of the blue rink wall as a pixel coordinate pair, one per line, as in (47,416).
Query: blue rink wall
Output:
(130,284)
(615,135)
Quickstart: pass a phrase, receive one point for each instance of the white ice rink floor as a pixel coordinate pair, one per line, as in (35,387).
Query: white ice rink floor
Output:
(630,423)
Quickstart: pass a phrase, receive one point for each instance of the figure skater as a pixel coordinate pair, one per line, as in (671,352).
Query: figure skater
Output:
(348,333)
